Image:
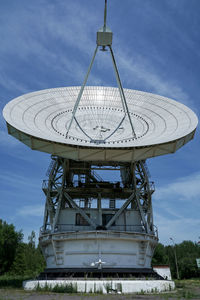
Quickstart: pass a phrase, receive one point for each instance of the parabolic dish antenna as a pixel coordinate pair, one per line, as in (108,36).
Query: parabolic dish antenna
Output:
(101,131)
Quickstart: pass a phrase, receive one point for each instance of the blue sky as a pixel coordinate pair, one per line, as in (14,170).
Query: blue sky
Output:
(47,44)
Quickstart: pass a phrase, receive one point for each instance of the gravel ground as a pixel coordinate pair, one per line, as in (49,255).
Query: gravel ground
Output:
(12,294)
(188,289)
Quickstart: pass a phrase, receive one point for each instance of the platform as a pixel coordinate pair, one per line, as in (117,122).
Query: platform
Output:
(120,286)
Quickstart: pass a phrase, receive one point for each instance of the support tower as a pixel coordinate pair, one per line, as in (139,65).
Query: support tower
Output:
(92,225)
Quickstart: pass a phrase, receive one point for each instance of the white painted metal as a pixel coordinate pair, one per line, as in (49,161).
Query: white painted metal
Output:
(117,228)
(163,271)
(125,286)
(40,120)
(82,249)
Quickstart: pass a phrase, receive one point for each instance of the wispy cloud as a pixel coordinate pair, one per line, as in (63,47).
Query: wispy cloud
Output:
(49,42)
(180,229)
(76,35)
(186,188)
(176,208)
(9,83)
(139,68)
(6,141)
(31,211)
(17,181)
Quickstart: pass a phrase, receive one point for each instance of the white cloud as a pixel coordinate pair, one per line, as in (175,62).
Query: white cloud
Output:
(137,68)
(185,228)
(39,41)
(31,211)
(9,83)
(6,141)
(186,188)
(76,34)
(17,181)
(176,209)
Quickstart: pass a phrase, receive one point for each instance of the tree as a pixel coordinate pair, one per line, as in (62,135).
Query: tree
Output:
(31,239)
(19,263)
(9,241)
(29,259)
(186,253)
(160,257)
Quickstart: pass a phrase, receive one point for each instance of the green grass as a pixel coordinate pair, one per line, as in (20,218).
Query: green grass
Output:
(58,288)
(185,289)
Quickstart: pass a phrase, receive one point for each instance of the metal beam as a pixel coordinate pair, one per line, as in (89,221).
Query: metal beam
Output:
(45,219)
(81,91)
(49,206)
(118,213)
(149,202)
(123,98)
(83,214)
(141,213)
(60,195)
(58,209)
(105,16)
(99,209)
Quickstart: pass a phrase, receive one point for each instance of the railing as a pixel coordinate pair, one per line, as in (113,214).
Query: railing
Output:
(45,184)
(50,168)
(152,186)
(72,227)
(99,184)
(96,175)
(155,230)
(103,184)
(147,169)
(76,228)
(46,229)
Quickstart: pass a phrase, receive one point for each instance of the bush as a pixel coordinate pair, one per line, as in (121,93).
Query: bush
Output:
(9,241)
(8,281)
(59,288)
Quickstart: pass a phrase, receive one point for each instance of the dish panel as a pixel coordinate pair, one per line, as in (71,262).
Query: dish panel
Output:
(45,115)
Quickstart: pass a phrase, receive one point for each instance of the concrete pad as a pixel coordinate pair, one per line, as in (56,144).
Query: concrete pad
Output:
(105,286)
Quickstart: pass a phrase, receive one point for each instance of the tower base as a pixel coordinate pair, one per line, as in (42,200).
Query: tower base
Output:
(120,286)
(80,273)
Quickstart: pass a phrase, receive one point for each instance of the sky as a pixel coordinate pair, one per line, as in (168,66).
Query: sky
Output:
(46,44)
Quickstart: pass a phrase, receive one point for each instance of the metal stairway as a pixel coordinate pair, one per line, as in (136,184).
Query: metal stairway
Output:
(142,253)
(58,252)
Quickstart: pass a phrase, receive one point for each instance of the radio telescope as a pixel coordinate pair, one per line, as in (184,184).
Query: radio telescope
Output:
(92,224)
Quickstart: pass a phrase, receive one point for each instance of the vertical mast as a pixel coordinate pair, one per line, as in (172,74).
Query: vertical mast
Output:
(104,39)
(105,16)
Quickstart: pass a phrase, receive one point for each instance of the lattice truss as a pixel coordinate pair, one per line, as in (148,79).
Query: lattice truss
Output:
(75,185)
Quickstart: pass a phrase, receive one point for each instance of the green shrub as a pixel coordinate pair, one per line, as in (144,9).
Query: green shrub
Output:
(59,288)
(12,281)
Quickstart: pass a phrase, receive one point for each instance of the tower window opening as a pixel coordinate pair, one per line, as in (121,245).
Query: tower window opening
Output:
(80,221)
(108,174)
(106,218)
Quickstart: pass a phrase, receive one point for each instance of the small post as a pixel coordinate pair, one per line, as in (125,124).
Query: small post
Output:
(105,16)
(177,272)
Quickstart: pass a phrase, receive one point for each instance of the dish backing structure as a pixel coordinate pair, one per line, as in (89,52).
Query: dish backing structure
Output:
(94,225)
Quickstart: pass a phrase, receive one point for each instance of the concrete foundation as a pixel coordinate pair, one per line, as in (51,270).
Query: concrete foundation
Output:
(105,286)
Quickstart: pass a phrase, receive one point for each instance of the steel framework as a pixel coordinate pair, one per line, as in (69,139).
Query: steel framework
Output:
(77,185)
